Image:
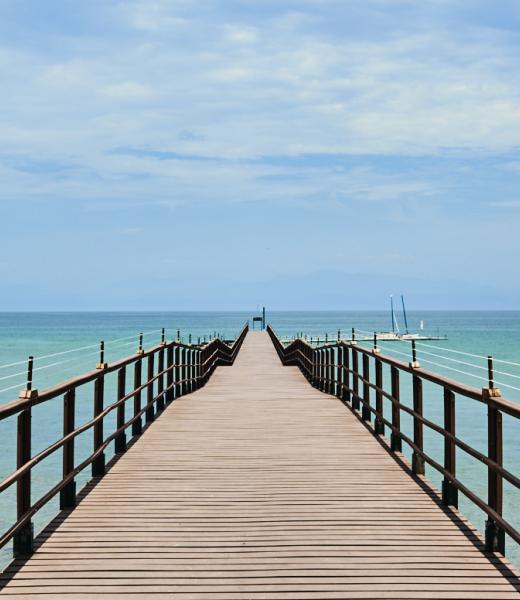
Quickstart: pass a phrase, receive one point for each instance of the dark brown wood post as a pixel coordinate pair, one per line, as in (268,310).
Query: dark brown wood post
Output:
(198,359)
(316,359)
(23,540)
(495,536)
(365,411)
(319,365)
(160,382)
(187,371)
(149,412)
(379,426)
(346,374)
(183,370)
(329,358)
(355,379)
(98,464)
(203,355)
(323,370)
(68,493)
(199,369)
(330,370)
(339,370)
(449,491)
(177,371)
(137,425)
(120,441)
(396,443)
(314,367)
(169,374)
(417,459)
(191,362)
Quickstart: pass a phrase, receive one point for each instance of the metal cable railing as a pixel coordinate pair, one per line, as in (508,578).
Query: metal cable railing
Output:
(172,370)
(345,369)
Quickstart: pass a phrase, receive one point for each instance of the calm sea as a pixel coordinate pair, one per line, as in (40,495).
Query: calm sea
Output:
(44,334)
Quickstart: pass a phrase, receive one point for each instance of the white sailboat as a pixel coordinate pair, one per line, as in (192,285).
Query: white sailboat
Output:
(396,334)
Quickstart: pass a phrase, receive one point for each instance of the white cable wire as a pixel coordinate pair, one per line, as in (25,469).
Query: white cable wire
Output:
(133,336)
(500,383)
(506,374)
(460,362)
(79,358)
(393,350)
(511,387)
(15,364)
(66,352)
(500,360)
(13,375)
(63,352)
(431,362)
(17,385)
(461,353)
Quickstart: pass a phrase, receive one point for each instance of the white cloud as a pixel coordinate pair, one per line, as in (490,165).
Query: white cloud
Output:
(280,85)
(240,35)
(128,90)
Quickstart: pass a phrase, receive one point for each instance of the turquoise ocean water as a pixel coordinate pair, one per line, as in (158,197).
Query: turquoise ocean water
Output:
(54,334)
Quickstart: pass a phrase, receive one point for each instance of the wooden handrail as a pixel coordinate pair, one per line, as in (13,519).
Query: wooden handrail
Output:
(334,368)
(179,369)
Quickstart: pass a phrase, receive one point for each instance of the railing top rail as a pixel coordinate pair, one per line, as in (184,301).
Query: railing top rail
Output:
(509,407)
(340,373)
(180,369)
(11,408)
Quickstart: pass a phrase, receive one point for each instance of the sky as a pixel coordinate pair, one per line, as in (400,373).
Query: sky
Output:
(224,154)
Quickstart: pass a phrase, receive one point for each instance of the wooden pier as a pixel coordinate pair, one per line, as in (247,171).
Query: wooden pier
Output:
(260,486)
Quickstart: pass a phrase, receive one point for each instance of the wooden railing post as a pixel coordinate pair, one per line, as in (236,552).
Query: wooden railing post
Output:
(339,370)
(149,412)
(325,381)
(396,443)
(330,370)
(198,369)
(23,544)
(184,387)
(191,362)
(319,368)
(160,381)
(449,491)
(98,464)
(495,536)
(177,371)
(120,441)
(137,425)
(417,459)
(68,493)
(346,374)
(355,379)
(365,411)
(187,370)
(314,367)
(379,426)
(169,374)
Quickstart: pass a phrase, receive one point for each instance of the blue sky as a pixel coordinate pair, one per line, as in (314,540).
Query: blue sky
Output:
(227,153)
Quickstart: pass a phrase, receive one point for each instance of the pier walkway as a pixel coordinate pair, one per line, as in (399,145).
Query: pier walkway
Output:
(259,486)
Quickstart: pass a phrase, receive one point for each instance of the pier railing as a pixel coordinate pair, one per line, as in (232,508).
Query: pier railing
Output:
(171,369)
(347,370)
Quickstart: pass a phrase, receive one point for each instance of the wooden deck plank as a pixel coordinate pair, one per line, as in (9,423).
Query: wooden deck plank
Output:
(259,486)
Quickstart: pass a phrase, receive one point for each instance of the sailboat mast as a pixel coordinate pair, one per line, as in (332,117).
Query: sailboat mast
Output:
(404,314)
(392,312)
